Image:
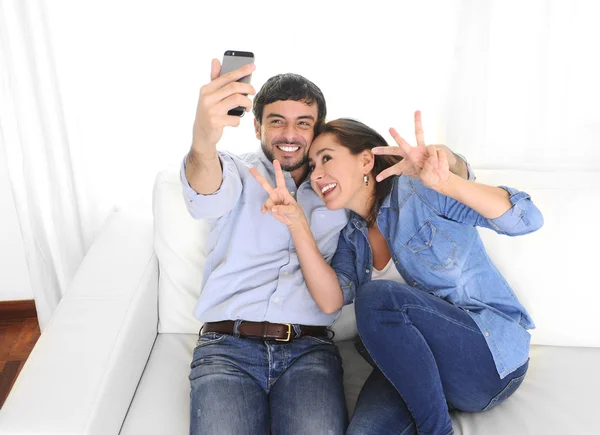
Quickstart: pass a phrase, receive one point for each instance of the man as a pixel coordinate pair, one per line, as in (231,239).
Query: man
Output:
(264,361)
(243,380)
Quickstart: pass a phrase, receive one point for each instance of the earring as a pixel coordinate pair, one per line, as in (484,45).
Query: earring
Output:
(366,179)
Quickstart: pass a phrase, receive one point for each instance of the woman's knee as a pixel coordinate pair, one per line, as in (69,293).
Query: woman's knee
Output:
(382,294)
(377,296)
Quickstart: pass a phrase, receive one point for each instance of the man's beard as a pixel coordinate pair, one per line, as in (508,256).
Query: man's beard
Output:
(285,166)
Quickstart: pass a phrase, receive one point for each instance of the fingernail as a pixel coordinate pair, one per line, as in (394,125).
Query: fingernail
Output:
(274,209)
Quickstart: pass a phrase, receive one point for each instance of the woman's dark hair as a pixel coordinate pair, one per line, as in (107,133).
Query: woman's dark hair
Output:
(358,137)
(294,87)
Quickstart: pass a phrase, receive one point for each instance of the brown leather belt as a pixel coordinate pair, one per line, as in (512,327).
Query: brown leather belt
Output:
(265,330)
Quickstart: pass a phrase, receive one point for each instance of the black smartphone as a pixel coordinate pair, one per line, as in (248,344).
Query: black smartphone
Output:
(232,60)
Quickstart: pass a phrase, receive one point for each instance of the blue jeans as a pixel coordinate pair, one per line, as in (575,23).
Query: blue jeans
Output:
(429,356)
(250,386)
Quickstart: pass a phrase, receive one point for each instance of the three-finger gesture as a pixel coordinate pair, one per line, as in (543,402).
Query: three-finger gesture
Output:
(413,158)
(281,204)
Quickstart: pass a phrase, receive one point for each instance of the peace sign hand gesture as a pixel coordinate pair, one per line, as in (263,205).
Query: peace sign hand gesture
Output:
(280,204)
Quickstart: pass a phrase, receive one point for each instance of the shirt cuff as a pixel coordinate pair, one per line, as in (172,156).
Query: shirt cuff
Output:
(517,213)
(215,204)
(348,290)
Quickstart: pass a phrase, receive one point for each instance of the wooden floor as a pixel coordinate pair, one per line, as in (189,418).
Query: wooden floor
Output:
(17,338)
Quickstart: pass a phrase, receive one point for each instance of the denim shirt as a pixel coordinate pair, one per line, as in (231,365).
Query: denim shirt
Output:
(436,248)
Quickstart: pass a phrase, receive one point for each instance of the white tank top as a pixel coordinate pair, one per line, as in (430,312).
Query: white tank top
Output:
(389,272)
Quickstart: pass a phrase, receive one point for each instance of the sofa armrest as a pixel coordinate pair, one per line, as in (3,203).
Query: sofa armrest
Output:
(82,374)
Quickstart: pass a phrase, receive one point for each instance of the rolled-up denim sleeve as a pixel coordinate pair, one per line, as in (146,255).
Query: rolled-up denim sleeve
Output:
(216,204)
(344,264)
(522,218)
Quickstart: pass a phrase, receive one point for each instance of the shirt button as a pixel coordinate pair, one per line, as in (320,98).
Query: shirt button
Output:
(276,299)
(487,334)
(292,193)
(368,270)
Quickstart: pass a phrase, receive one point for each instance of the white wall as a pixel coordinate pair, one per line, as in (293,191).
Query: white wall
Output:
(507,83)
(502,87)
(131,71)
(14,275)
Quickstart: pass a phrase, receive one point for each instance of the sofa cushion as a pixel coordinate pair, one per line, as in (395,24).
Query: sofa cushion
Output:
(161,403)
(553,271)
(178,243)
(558,395)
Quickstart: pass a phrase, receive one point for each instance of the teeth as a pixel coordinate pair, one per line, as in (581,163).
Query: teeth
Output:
(328,187)
(289,149)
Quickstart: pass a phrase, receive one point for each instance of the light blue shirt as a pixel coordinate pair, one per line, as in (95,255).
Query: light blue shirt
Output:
(252,271)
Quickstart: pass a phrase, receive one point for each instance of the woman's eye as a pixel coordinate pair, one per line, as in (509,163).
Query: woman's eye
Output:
(326,159)
(311,168)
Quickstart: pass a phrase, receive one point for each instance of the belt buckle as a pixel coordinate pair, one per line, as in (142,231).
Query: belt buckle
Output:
(289,333)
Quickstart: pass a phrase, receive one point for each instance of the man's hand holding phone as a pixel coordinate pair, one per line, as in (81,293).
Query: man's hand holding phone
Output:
(218,97)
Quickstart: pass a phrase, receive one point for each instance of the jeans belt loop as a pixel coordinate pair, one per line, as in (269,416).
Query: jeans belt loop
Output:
(236,328)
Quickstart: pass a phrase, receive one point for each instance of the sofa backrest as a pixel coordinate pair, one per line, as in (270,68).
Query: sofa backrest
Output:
(553,271)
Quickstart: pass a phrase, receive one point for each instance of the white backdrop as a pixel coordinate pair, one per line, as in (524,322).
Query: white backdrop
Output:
(109,91)
(509,84)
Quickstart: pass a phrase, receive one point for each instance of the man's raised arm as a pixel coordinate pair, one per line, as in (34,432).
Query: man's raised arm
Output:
(203,169)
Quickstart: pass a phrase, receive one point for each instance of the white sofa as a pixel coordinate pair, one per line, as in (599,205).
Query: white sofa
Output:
(115,356)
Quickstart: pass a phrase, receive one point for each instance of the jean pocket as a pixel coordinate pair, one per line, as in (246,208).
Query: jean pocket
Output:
(209,338)
(508,391)
(320,340)
(434,248)
(204,341)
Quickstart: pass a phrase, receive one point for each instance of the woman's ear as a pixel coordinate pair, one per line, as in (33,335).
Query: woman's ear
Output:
(368,161)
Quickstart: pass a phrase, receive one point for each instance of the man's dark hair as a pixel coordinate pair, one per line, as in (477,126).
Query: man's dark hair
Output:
(294,87)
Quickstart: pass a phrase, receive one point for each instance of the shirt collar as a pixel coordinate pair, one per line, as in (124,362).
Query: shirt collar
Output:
(356,222)
(387,202)
(267,163)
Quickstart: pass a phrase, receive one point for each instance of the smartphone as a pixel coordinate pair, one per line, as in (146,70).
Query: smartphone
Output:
(232,60)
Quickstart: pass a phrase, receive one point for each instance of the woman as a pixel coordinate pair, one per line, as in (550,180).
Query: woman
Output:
(441,325)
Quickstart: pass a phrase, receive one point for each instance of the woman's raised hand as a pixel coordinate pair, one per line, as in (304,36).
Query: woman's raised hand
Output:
(436,170)
(281,204)
(413,158)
